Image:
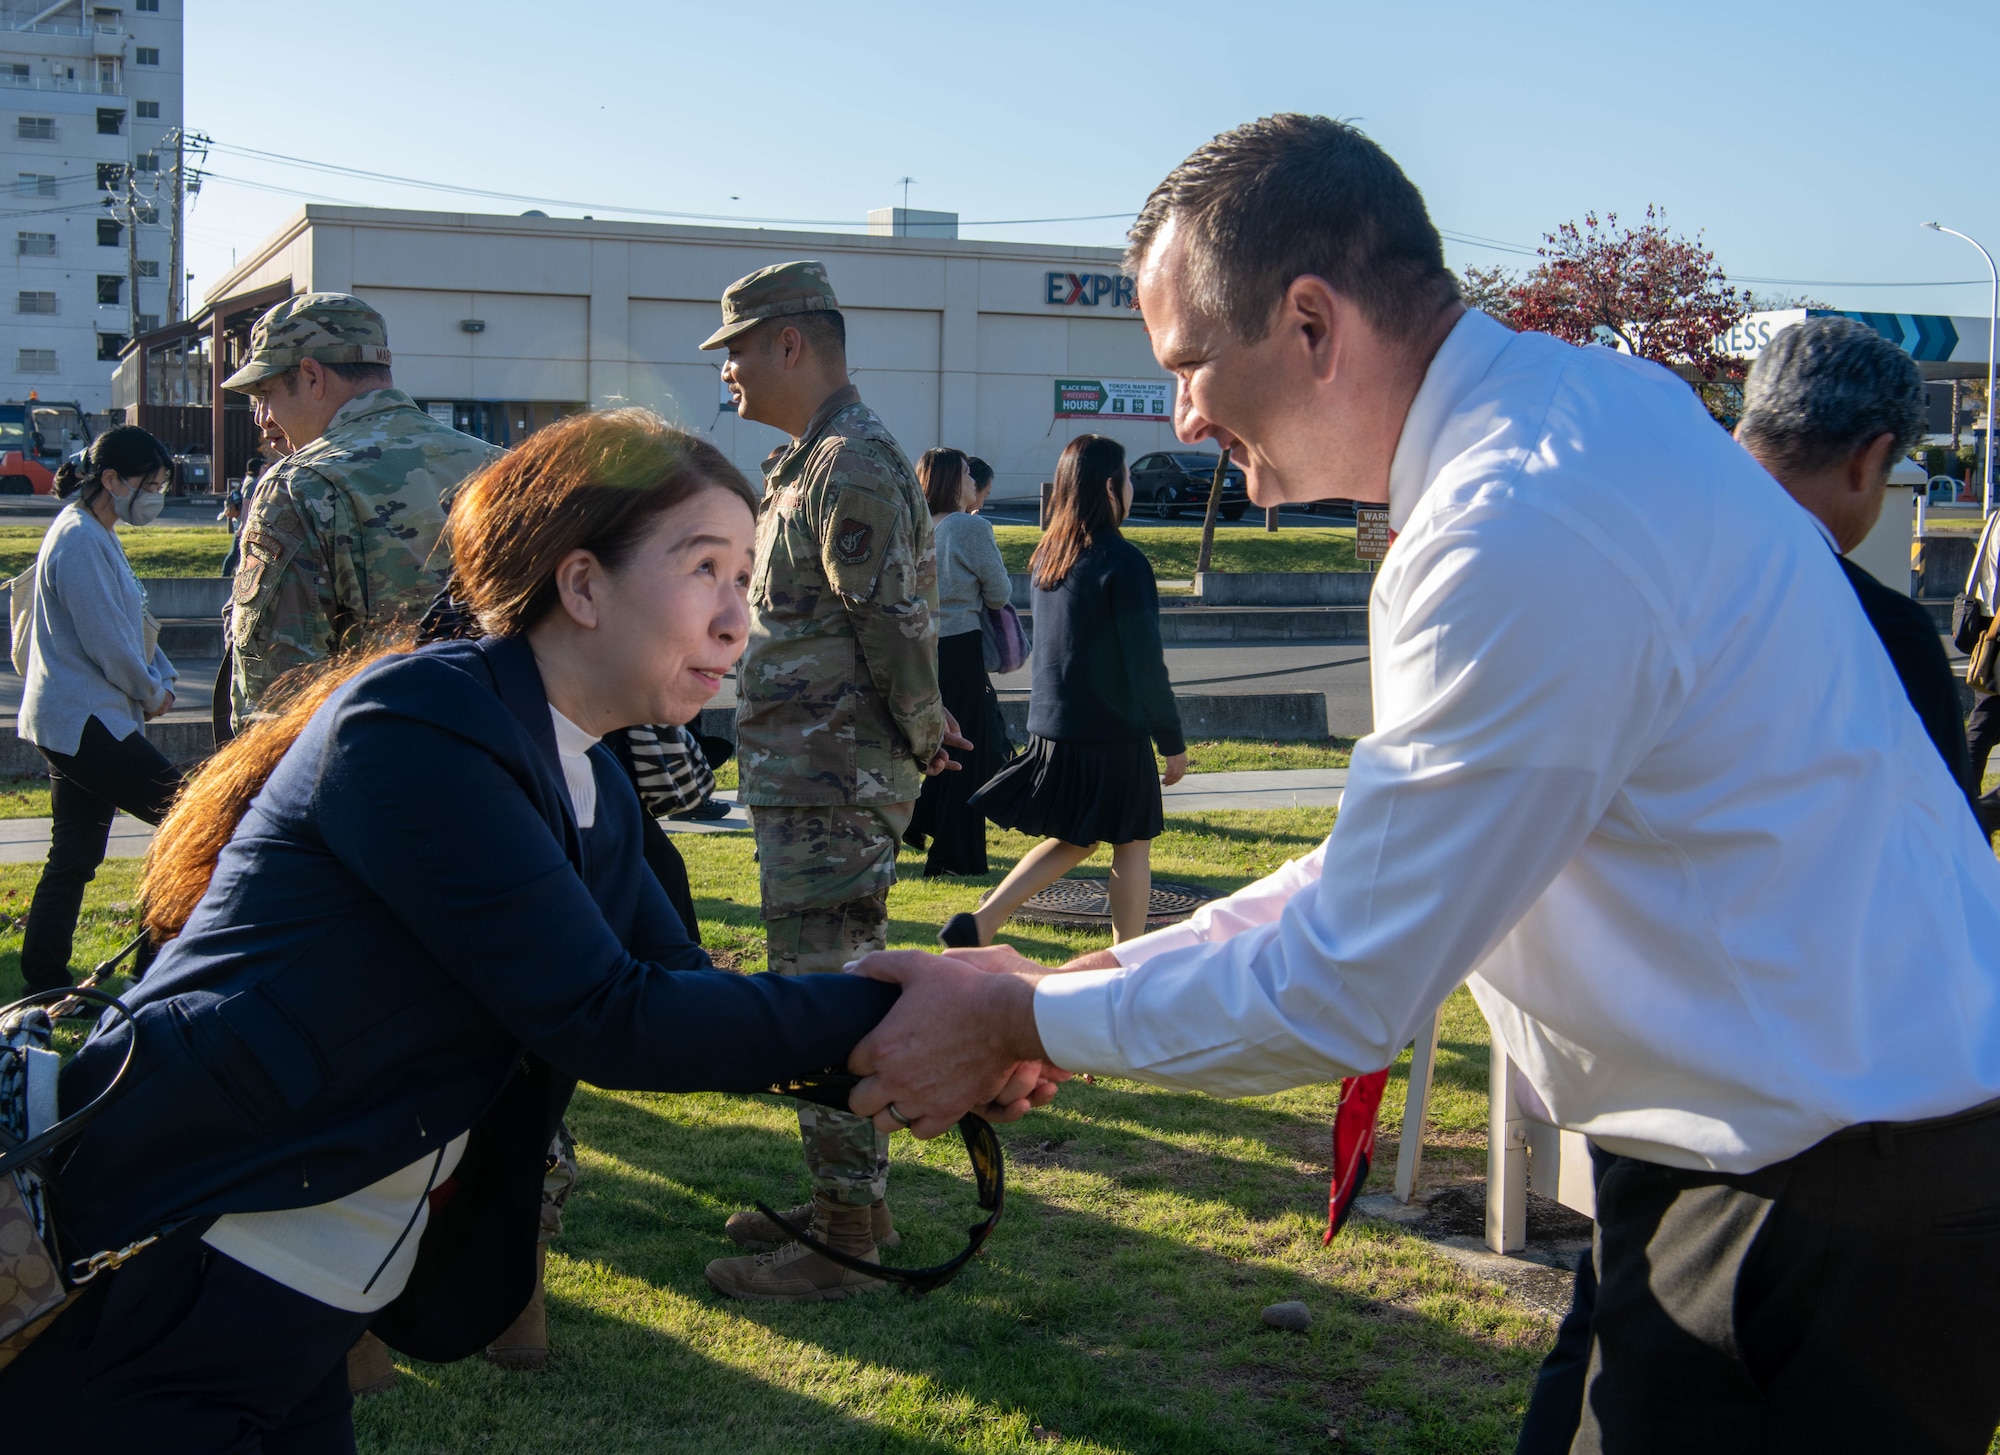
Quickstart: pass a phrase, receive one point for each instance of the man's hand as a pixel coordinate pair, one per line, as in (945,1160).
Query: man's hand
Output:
(960,1038)
(165,708)
(941,761)
(1176,770)
(1008,960)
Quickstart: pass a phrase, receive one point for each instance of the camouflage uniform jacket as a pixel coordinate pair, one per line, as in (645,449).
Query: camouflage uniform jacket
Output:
(338,538)
(839,680)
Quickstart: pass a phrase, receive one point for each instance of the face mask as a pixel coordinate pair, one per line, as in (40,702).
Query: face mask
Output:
(141,507)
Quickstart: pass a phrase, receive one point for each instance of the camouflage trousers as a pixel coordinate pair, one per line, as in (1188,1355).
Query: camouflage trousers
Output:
(825,873)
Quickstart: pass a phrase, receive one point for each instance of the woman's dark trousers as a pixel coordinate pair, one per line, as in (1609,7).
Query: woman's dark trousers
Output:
(87,789)
(957,831)
(185,1352)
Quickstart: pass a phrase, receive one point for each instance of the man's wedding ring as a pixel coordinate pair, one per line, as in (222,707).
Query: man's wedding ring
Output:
(900,1118)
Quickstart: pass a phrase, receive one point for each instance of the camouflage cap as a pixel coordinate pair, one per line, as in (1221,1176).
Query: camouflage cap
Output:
(779,291)
(335,328)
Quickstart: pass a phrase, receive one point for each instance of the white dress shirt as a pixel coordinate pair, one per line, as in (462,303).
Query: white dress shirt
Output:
(1640,769)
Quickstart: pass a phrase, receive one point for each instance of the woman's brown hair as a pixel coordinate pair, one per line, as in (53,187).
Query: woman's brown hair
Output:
(943,474)
(594,482)
(1081,510)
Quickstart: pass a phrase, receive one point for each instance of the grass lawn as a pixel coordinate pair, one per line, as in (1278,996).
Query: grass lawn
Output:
(1114,1310)
(1236,755)
(25,798)
(1173,548)
(195,550)
(1221,755)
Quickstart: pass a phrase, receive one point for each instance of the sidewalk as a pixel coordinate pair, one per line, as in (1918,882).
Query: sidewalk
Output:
(26,840)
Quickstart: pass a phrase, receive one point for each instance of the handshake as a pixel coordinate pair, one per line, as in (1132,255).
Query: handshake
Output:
(961,1038)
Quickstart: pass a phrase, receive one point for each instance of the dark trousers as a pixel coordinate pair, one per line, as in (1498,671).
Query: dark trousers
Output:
(1839,1300)
(957,831)
(186,1352)
(87,789)
(1982,736)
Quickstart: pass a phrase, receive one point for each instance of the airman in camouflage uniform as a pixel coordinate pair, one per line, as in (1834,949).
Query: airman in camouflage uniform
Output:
(340,538)
(839,714)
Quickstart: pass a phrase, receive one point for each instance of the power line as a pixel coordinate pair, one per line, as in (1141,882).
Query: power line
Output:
(1463,239)
(1828,283)
(334,169)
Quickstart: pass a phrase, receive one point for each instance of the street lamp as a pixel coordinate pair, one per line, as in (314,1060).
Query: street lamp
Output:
(1992,336)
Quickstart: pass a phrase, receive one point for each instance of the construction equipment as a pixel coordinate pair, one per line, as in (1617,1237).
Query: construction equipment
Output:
(35,438)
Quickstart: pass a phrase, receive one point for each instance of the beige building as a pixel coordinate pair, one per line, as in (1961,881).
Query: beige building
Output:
(501,323)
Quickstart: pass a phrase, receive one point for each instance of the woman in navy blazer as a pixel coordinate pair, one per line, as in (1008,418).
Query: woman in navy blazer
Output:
(419,932)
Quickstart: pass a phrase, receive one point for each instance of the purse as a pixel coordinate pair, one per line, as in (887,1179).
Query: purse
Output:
(34,1287)
(1002,639)
(21,615)
(1979,672)
(1968,620)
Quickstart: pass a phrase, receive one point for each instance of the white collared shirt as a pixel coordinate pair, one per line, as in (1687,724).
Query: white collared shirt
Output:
(1640,770)
(573,747)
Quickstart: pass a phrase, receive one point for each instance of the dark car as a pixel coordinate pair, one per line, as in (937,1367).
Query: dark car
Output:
(1171,481)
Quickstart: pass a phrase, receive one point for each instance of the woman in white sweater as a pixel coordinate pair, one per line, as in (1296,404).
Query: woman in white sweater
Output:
(971,577)
(95,676)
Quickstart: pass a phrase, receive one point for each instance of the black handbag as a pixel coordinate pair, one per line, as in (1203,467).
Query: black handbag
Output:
(32,1249)
(1968,622)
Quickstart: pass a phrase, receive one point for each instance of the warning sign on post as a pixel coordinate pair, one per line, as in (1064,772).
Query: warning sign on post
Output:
(1371,533)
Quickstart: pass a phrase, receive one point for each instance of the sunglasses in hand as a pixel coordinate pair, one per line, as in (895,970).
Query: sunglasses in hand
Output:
(989,1173)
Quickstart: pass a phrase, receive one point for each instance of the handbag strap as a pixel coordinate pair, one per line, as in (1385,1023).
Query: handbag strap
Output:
(32,1147)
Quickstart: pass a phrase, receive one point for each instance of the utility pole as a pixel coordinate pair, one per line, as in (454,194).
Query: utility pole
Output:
(132,247)
(174,223)
(182,141)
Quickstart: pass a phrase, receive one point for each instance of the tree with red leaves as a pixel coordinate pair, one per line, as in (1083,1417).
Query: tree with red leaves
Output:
(1660,296)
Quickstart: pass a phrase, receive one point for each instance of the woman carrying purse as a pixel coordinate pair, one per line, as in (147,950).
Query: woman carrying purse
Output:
(972,579)
(95,677)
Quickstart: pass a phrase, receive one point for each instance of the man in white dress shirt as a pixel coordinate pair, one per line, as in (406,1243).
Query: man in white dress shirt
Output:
(1639,774)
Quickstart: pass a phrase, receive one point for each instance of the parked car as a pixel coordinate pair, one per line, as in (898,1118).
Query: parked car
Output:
(1175,480)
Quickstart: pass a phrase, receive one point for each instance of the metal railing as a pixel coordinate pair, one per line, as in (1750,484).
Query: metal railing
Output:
(73,28)
(79,87)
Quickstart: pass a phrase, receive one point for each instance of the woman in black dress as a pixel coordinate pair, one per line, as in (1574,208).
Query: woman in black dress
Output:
(971,579)
(1101,702)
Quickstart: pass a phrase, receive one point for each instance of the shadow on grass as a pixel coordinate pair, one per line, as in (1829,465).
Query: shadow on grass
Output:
(1098,1315)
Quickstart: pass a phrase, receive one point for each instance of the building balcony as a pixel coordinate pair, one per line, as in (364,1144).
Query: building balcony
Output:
(81,86)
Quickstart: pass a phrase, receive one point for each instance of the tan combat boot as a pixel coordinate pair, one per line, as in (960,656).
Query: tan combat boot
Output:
(796,1274)
(524,1344)
(752,1230)
(369,1368)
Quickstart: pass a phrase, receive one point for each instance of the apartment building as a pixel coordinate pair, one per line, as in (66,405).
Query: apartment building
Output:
(89,95)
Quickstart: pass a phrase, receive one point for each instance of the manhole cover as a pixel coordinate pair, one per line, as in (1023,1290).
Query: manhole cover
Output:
(1086,903)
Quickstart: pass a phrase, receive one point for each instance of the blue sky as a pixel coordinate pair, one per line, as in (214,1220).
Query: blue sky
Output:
(1808,141)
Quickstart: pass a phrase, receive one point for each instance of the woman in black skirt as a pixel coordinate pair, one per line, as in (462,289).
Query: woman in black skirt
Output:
(1101,702)
(971,577)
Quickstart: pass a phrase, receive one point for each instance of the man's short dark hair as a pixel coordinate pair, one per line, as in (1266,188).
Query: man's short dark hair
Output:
(1292,195)
(1824,388)
(982,473)
(372,376)
(825,331)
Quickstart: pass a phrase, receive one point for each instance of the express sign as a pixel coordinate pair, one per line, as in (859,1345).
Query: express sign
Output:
(1086,289)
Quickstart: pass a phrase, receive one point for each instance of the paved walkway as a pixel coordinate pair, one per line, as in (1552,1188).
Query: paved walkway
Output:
(26,840)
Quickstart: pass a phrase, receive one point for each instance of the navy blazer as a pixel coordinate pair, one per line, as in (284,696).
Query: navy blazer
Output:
(1100,672)
(405,910)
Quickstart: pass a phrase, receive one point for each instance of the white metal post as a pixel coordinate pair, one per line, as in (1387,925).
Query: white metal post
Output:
(1992,339)
(1410,1151)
